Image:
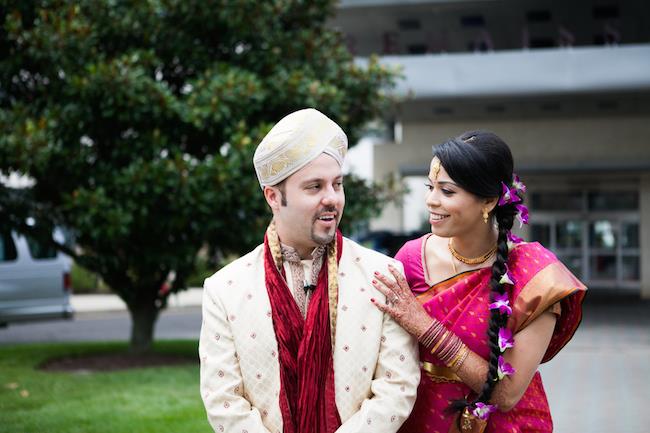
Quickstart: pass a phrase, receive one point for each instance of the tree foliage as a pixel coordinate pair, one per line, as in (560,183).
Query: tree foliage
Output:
(137,121)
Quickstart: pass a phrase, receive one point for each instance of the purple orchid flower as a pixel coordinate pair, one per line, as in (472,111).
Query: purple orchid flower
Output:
(505,339)
(518,184)
(513,240)
(501,303)
(504,368)
(508,195)
(483,410)
(522,214)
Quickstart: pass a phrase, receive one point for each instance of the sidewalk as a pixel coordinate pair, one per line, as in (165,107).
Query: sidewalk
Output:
(110,302)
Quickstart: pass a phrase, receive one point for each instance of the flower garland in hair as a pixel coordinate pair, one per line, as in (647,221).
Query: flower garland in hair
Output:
(510,194)
(513,195)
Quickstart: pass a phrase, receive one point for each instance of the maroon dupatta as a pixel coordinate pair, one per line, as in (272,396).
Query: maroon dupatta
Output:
(306,398)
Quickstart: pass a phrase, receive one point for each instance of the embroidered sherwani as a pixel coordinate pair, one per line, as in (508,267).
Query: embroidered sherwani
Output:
(375,361)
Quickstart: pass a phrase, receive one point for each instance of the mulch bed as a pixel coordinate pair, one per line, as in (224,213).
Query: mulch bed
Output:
(114,362)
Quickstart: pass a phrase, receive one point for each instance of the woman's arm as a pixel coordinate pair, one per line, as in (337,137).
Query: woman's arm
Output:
(524,357)
(530,345)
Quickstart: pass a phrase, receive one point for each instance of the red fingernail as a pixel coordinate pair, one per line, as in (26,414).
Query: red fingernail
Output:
(374,281)
(372,300)
(376,273)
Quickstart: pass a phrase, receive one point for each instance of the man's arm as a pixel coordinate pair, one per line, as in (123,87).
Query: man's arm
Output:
(394,386)
(221,380)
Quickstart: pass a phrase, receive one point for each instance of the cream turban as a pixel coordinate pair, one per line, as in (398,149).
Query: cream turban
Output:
(296,140)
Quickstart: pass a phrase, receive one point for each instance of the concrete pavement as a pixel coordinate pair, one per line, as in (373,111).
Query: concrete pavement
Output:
(599,383)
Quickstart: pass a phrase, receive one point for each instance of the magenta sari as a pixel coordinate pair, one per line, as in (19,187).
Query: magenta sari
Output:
(542,282)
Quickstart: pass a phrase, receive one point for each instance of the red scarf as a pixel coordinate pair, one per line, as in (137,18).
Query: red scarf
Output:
(307,400)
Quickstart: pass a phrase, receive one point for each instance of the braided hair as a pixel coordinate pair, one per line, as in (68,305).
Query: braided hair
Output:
(479,161)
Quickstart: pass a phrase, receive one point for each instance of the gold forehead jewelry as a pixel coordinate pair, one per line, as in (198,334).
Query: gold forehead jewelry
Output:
(435,167)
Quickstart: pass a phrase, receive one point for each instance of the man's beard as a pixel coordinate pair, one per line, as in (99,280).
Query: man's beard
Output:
(322,239)
(326,238)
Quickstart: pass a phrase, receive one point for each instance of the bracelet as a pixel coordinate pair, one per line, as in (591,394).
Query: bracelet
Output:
(459,359)
(447,347)
(432,334)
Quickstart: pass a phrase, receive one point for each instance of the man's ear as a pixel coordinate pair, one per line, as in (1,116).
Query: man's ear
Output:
(273,197)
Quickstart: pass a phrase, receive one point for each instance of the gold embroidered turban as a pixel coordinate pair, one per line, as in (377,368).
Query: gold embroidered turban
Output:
(296,140)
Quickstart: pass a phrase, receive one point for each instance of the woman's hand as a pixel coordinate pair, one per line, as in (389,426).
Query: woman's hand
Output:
(401,304)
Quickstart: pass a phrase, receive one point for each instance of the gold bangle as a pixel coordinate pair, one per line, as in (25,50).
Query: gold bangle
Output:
(439,342)
(459,359)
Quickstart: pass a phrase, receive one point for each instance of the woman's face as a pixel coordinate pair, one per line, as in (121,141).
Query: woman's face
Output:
(452,210)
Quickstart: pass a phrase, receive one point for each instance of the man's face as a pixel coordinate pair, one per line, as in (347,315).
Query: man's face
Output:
(312,207)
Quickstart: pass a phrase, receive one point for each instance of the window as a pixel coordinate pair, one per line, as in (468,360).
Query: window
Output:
(538,16)
(602,235)
(409,24)
(7,248)
(613,200)
(541,233)
(564,201)
(417,49)
(630,235)
(596,234)
(568,234)
(472,21)
(604,12)
(542,42)
(39,250)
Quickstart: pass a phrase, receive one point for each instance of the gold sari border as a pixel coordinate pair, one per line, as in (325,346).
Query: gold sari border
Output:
(443,285)
(549,286)
(439,373)
(553,284)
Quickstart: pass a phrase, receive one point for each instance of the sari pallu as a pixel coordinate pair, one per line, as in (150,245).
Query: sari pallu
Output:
(542,282)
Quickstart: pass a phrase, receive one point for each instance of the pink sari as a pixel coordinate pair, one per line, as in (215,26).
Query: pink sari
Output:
(461,303)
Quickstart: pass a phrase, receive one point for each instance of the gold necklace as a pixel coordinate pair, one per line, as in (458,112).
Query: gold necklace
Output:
(470,260)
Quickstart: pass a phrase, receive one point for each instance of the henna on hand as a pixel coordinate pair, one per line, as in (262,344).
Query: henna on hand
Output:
(401,303)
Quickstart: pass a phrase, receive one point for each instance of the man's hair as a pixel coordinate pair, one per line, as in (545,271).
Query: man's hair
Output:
(283,190)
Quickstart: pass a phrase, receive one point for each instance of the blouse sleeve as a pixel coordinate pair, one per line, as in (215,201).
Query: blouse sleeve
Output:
(409,255)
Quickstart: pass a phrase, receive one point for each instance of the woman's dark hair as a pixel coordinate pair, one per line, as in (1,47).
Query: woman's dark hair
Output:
(478,161)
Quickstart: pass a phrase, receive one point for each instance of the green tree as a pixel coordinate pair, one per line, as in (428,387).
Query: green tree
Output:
(137,120)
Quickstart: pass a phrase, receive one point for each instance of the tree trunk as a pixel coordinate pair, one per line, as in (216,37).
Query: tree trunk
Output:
(143,320)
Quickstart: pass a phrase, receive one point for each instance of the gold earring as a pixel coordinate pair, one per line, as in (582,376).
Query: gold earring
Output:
(485,216)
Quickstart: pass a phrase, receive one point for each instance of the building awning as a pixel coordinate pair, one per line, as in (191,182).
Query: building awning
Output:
(539,72)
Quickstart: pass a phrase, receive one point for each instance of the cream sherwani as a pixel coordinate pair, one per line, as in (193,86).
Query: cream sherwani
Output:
(376,371)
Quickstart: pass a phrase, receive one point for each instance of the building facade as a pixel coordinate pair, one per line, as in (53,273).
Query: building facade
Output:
(565,84)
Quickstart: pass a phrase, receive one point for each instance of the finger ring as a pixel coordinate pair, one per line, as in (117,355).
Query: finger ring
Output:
(395,299)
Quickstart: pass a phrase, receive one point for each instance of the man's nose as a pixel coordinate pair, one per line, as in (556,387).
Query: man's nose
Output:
(330,197)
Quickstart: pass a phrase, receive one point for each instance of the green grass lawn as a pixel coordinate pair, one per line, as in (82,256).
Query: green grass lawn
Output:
(160,400)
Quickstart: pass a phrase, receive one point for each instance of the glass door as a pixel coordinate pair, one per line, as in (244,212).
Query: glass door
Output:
(598,241)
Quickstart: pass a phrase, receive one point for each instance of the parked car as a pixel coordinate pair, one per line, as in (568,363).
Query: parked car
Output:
(386,242)
(34,280)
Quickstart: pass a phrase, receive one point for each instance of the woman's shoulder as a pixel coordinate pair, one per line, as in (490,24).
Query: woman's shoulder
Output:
(410,255)
(531,250)
(411,250)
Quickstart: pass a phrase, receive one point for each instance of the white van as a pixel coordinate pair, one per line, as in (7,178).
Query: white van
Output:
(34,280)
